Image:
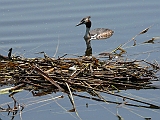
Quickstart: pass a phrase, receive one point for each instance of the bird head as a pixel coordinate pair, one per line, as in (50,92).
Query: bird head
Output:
(84,21)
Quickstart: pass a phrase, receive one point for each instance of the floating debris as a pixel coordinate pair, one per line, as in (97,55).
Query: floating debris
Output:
(152,40)
(145,30)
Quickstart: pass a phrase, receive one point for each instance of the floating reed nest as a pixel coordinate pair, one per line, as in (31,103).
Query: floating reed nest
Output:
(47,75)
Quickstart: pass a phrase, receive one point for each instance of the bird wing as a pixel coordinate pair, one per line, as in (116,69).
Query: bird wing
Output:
(101,33)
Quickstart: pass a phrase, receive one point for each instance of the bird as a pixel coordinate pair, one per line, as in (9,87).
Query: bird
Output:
(95,34)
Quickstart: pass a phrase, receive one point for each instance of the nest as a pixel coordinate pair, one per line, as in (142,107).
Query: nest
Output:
(47,75)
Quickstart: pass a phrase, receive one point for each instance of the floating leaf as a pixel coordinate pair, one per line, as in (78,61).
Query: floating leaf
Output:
(147,118)
(145,30)
(119,117)
(72,110)
(150,41)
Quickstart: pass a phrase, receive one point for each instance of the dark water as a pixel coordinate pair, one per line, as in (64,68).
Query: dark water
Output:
(33,26)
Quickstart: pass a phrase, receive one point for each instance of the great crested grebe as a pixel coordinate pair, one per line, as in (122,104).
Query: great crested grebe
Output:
(98,33)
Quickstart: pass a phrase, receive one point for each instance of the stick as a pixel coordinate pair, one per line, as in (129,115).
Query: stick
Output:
(46,76)
(72,101)
(142,32)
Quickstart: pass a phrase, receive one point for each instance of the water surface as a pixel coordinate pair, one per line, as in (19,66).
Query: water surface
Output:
(34,26)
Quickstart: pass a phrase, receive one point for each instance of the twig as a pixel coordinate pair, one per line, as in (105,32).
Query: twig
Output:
(118,103)
(96,93)
(142,32)
(56,48)
(72,101)
(47,77)
(70,96)
(129,98)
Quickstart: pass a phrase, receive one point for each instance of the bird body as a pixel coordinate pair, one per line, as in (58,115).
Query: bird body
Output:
(101,33)
(98,33)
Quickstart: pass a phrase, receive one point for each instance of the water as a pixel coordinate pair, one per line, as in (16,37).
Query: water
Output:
(33,26)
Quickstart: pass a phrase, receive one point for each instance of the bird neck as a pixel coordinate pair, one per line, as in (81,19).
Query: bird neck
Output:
(87,34)
(88,43)
(88,26)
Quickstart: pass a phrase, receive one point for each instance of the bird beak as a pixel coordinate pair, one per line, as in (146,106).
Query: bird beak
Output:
(82,22)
